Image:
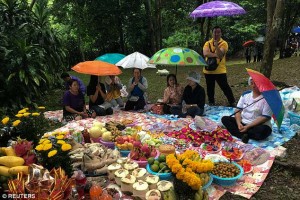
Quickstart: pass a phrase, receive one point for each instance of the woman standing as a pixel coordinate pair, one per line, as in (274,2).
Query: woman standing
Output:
(74,104)
(172,94)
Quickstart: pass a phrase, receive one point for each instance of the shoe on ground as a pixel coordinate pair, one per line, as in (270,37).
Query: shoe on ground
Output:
(245,138)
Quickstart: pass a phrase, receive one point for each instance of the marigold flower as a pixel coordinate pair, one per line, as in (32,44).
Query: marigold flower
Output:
(26,114)
(52,153)
(46,141)
(35,114)
(66,147)
(22,111)
(39,147)
(61,142)
(5,120)
(16,123)
(60,137)
(41,107)
(47,146)
(19,115)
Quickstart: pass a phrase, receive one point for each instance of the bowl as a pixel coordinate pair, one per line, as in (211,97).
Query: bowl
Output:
(110,145)
(204,187)
(143,164)
(228,181)
(124,153)
(162,176)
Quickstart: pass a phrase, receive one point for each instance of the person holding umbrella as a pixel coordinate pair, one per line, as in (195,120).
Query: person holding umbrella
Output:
(217,48)
(137,87)
(252,117)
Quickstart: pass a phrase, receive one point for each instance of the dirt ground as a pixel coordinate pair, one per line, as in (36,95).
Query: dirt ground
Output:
(283,180)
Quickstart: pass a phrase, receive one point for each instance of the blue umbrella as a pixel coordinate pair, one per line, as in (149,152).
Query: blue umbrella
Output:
(296,29)
(111,58)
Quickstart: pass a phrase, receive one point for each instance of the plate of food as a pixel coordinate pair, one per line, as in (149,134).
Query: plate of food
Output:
(216,158)
(246,165)
(211,147)
(232,153)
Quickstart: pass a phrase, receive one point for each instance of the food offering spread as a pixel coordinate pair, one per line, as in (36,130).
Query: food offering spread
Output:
(122,160)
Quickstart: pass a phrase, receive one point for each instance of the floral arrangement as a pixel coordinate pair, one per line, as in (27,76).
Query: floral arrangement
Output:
(25,124)
(188,166)
(52,151)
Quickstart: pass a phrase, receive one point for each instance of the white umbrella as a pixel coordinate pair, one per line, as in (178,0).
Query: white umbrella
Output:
(135,60)
(260,39)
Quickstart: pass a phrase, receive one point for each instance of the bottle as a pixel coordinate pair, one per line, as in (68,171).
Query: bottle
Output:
(86,136)
(95,191)
(184,110)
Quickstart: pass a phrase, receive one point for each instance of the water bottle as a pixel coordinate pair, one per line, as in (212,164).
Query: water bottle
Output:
(184,109)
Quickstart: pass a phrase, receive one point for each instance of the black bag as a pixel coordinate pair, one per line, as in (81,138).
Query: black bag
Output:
(212,63)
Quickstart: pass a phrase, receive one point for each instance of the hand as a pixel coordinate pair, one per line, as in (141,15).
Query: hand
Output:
(244,129)
(98,87)
(216,43)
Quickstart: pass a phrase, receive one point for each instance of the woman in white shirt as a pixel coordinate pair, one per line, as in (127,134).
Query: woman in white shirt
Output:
(252,119)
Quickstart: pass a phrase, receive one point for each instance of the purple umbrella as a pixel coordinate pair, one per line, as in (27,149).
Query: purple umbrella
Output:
(217,8)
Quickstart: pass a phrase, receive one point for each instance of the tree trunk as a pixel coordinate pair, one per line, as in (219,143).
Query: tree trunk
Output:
(120,25)
(150,24)
(275,10)
(158,29)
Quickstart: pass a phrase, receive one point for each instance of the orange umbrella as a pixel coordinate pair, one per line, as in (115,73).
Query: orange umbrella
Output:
(248,43)
(97,68)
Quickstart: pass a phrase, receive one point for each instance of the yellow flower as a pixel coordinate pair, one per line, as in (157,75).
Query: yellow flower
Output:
(22,111)
(16,123)
(42,140)
(46,141)
(39,147)
(26,109)
(5,120)
(66,147)
(41,108)
(19,115)
(176,168)
(35,114)
(60,137)
(61,142)
(52,153)
(47,146)
(26,114)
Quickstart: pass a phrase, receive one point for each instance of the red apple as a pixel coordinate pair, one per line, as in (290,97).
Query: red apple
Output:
(125,138)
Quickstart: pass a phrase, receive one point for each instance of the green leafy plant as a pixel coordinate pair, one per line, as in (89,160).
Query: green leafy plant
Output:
(25,125)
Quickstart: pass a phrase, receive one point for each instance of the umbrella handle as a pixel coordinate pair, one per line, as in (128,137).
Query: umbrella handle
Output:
(241,109)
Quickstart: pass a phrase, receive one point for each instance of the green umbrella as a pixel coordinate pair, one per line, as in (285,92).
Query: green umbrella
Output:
(177,56)
(111,58)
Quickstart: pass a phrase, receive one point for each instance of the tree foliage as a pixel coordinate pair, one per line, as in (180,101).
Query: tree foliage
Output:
(30,53)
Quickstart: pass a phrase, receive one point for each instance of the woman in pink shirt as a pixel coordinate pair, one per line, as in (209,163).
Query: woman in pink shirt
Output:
(172,94)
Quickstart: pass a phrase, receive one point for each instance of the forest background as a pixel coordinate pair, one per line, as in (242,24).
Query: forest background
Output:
(41,39)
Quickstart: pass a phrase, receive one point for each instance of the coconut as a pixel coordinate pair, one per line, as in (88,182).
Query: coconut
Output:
(120,173)
(152,180)
(153,194)
(139,173)
(140,188)
(127,183)
(111,170)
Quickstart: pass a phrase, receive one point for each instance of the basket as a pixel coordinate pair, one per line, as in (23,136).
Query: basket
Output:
(294,118)
(162,176)
(110,145)
(228,181)
(143,164)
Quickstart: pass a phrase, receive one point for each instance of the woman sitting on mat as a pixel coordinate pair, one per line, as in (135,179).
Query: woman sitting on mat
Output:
(252,118)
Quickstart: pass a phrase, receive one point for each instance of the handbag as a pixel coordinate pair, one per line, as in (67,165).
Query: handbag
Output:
(212,63)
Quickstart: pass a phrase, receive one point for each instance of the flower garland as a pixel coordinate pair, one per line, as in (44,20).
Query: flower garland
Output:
(186,166)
